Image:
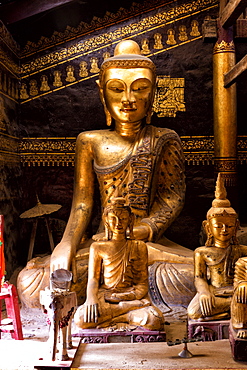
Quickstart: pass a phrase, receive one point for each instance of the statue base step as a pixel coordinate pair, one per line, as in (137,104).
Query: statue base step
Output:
(238,346)
(208,330)
(104,336)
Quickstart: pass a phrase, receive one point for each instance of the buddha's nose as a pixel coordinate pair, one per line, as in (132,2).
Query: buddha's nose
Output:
(224,227)
(118,223)
(128,97)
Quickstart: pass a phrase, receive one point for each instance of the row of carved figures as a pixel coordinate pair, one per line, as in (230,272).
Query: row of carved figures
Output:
(10,86)
(93,68)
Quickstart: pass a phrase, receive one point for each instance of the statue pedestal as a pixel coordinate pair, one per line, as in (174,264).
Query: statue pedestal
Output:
(106,336)
(208,330)
(238,346)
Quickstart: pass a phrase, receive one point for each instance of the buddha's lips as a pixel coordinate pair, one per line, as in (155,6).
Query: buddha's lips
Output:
(126,110)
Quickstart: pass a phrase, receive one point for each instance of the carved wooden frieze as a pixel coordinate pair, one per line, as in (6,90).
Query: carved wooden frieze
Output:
(60,151)
(9,68)
(9,149)
(168,14)
(156,32)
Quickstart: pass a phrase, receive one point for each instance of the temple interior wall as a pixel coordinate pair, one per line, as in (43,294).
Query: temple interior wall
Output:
(11,177)
(58,113)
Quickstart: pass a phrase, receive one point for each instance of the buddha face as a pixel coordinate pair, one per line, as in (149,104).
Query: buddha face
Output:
(128,93)
(223,228)
(118,222)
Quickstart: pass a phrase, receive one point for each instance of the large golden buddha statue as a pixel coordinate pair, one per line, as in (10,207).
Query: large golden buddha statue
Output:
(144,163)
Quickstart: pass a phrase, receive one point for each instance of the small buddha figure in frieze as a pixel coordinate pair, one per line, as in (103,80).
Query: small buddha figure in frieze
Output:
(44,83)
(182,33)
(171,37)
(106,55)
(94,65)
(195,28)
(215,262)
(145,46)
(83,72)
(23,91)
(57,79)
(33,87)
(158,41)
(70,74)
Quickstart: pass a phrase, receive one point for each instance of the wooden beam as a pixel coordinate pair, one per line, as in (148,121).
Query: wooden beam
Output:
(231,76)
(21,9)
(231,12)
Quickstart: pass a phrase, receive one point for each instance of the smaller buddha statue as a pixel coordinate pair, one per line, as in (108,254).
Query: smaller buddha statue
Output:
(57,79)
(214,263)
(145,46)
(239,300)
(83,72)
(117,288)
(44,83)
(194,29)
(33,88)
(158,41)
(183,33)
(94,65)
(23,91)
(106,55)
(70,74)
(171,37)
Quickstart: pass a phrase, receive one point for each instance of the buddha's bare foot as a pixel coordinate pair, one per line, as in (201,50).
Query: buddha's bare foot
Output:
(220,316)
(134,304)
(242,334)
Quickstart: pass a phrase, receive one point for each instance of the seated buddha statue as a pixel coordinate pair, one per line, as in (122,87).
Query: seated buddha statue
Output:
(239,300)
(215,262)
(117,287)
(145,163)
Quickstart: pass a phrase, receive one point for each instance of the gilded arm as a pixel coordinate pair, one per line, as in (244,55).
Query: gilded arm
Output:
(206,298)
(94,267)
(81,205)
(140,271)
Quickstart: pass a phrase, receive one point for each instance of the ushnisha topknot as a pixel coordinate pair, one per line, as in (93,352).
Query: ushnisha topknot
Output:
(117,203)
(127,54)
(221,205)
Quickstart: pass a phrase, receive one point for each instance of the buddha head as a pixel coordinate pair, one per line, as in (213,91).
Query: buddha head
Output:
(118,219)
(127,84)
(222,220)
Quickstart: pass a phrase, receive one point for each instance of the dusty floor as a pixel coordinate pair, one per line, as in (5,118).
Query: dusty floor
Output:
(34,325)
(32,353)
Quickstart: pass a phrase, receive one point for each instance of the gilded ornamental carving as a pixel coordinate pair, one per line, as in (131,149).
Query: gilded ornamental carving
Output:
(169,96)
(169,14)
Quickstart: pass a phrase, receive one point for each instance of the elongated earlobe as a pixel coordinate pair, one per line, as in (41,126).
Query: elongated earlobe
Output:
(234,237)
(148,116)
(107,113)
(108,116)
(210,237)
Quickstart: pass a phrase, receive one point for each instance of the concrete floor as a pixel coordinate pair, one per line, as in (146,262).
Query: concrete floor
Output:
(206,355)
(33,351)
